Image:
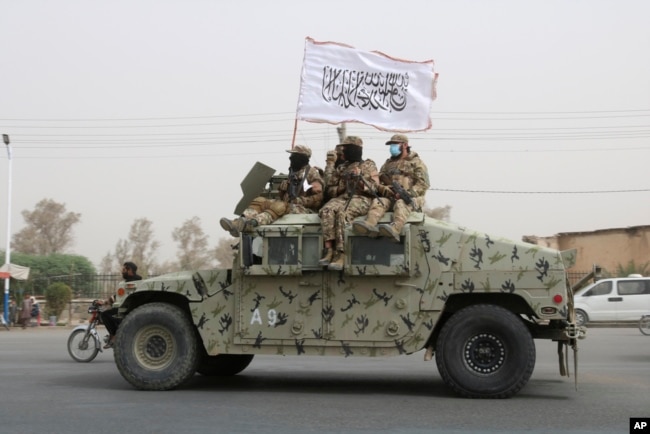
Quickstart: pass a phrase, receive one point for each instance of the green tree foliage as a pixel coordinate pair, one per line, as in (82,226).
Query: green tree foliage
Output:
(76,271)
(48,229)
(632,268)
(57,297)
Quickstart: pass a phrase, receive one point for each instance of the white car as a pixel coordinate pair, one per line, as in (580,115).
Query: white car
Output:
(616,299)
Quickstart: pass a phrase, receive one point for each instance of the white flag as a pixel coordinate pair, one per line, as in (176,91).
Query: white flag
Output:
(342,84)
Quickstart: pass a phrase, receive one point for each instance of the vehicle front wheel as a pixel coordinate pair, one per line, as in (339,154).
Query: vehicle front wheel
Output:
(83,347)
(485,351)
(644,325)
(581,317)
(156,347)
(224,364)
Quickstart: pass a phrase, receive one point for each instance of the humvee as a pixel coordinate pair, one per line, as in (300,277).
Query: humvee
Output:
(475,301)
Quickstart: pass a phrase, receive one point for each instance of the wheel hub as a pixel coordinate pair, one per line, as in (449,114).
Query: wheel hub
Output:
(154,347)
(484,353)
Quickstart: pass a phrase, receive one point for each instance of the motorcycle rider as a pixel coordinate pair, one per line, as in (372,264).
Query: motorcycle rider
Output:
(129,274)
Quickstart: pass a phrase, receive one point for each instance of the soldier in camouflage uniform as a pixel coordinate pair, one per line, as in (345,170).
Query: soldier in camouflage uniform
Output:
(301,193)
(351,187)
(333,161)
(405,168)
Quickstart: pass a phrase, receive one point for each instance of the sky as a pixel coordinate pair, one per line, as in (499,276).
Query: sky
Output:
(157,109)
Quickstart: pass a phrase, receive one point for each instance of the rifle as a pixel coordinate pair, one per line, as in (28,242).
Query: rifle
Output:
(403,194)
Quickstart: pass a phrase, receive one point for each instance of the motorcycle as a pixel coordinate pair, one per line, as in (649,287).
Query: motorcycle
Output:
(644,325)
(84,342)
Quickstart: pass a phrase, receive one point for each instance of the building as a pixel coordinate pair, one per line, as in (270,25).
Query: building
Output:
(608,248)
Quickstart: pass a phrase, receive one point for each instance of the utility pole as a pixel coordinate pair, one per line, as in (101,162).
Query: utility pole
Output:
(5,139)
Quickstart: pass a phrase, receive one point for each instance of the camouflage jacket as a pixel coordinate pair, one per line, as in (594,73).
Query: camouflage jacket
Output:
(410,172)
(295,186)
(344,181)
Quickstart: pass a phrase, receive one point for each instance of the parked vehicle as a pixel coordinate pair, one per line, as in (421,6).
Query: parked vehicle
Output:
(84,342)
(644,325)
(615,299)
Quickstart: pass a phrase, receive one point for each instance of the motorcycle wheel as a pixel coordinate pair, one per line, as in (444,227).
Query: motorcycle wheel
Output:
(644,325)
(81,349)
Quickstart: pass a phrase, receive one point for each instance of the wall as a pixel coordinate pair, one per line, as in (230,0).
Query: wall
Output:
(607,247)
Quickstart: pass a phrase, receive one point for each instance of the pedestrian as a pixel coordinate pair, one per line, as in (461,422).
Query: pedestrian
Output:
(300,193)
(129,274)
(352,187)
(26,311)
(404,182)
(13,310)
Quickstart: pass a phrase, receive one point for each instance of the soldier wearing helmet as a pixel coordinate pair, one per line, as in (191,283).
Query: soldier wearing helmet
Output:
(301,193)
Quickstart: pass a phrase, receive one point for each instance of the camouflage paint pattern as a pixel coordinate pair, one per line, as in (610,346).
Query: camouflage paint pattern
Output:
(386,301)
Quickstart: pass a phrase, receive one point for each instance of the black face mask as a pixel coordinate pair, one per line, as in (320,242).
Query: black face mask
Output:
(353,153)
(298,161)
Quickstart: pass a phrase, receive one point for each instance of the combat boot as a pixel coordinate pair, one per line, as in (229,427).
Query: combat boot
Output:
(338,262)
(367,227)
(327,257)
(390,231)
(233,226)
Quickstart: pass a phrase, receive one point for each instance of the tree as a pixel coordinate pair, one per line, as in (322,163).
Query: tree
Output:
(632,268)
(57,296)
(223,252)
(192,242)
(48,230)
(76,271)
(140,247)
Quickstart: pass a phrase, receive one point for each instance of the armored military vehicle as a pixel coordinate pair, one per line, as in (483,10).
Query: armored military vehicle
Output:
(475,301)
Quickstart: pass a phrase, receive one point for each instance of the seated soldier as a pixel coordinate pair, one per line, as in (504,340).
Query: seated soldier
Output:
(404,182)
(301,193)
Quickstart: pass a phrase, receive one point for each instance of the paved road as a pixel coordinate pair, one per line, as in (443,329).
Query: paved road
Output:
(44,391)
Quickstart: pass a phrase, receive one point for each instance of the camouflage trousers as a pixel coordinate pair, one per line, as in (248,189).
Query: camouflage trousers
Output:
(337,213)
(401,210)
(267,217)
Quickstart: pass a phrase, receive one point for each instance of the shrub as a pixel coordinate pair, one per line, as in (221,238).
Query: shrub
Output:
(57,296)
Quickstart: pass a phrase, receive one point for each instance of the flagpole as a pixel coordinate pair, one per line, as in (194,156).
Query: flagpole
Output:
(5,138)
(295,129)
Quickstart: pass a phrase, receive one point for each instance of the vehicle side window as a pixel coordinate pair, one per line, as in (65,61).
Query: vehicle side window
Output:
(603,288)
(631,287)
(283,251)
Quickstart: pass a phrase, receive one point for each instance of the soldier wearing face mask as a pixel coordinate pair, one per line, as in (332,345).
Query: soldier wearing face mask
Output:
(300,193)
(404,182)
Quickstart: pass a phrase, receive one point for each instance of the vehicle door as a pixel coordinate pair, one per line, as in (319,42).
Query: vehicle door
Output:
(601,302)
(633,297)
(280,297)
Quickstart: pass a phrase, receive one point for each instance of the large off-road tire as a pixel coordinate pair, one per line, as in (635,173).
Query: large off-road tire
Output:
(224,364)
(156,347)
(82,348)
(485,351)
(581,317)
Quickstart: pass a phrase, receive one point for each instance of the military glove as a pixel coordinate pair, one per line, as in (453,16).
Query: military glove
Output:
(331,157)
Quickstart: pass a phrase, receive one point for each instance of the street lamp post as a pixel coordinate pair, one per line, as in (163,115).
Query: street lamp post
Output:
(5,138)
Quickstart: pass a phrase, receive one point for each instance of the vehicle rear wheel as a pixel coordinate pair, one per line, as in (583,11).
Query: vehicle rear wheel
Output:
(224,364)
(81,347)
(581,317)
(644,325)
(485,351)
(156,347)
